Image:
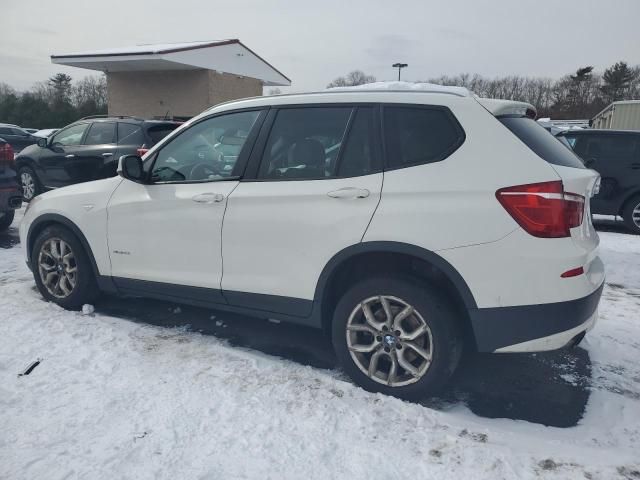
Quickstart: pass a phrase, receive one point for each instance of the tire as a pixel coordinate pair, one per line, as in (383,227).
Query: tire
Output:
(431,309)
(632,205)
(84,288)
(29,182)
(6,219)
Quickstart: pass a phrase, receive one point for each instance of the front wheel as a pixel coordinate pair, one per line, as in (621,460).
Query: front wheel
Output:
(62,268)
(631,214)
(396,336)
(6,219)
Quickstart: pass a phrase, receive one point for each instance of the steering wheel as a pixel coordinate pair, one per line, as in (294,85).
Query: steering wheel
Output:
(202,171)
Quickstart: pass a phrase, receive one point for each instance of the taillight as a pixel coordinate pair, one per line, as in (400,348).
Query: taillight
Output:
(543,209)
(142,150)
(6,156)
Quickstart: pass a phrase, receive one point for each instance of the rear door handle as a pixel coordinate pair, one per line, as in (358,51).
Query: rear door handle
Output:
(349,192)
(208,197)
(71,155)
(635,166)
(107,154)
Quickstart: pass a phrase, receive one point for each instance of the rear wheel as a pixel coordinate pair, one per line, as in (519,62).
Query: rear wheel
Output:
(396,336)
(30,184)
(62,268)
(631,214)
(6,219)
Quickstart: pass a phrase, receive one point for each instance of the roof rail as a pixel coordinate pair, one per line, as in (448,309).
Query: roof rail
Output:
(110,116)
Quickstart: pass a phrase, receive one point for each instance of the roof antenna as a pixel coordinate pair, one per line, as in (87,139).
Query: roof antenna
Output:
(166,115)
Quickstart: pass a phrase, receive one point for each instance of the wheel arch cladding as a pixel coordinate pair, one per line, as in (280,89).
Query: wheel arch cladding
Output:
(394,258)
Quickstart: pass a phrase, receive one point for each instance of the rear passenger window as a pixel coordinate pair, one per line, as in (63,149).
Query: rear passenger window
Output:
(418,135)
(304,143)
(130,134)
(101,133)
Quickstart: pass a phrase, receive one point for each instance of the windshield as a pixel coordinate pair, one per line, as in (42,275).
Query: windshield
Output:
(541,141)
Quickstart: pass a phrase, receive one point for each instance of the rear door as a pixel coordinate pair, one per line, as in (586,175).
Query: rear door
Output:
(313,185)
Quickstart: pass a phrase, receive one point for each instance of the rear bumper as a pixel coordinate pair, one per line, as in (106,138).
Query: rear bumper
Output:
(534,328)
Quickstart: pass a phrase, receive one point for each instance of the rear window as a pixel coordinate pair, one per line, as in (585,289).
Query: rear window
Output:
(158,132)
(541,142)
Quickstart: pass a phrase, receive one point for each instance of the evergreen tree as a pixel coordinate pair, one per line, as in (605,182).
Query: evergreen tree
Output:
(617,80)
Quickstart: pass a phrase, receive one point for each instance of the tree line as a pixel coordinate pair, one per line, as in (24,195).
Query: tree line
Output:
(580,95)
(55,102)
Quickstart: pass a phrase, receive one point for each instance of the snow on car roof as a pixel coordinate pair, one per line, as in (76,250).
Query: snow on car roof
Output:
(402,86)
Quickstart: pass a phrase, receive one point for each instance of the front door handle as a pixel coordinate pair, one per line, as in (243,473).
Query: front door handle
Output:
(71,155)
(208,197)
(349,192)
(107,154)
(635,166)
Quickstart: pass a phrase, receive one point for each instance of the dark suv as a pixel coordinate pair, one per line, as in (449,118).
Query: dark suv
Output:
(85,150)
(615,155)
(9,192)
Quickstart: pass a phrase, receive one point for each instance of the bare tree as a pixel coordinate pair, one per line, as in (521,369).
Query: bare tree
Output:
(356,77)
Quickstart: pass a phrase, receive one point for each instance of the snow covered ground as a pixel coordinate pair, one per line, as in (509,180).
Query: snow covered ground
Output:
(116,399)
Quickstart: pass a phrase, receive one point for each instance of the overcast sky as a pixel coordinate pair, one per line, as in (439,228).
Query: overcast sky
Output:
(313,42)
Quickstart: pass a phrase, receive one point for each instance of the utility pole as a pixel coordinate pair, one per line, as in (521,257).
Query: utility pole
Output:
(399,66)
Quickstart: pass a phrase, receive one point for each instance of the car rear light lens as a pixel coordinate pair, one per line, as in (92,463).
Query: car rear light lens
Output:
(142,150)
(6,156)
(543,209)
(574,272)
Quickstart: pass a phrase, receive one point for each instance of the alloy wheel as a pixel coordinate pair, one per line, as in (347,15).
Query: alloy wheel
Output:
(389,341)
(28,185)
(57,267)
(635,215)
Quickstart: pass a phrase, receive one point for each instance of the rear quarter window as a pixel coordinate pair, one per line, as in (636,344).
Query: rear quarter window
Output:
(158,132)
(541,142)
(419,135)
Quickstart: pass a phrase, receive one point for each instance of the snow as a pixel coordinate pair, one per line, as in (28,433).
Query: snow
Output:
(430,87)
(113,398)
(149,48)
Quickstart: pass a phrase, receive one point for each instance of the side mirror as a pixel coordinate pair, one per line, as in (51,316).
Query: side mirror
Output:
(130,167)
(42,142)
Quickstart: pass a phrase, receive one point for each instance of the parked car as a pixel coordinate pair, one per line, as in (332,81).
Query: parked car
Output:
(16,137)
(10,198)
(44,133)
(615,155)
(85,150)
(479,237)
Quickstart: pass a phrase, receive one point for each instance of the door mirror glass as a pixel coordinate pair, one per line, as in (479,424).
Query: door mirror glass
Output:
(130,167)
(42,142)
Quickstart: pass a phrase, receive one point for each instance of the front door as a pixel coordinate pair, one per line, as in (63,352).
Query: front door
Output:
(165,236)
(95,158)
(59,155)
(314,193)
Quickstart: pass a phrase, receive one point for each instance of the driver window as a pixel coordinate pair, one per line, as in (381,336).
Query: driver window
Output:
(70,136)
(206,151)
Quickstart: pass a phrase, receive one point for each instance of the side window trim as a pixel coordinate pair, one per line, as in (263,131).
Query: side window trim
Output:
(446,154)
(242,158)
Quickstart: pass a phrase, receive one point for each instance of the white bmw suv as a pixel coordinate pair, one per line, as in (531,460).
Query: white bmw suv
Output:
(410,225)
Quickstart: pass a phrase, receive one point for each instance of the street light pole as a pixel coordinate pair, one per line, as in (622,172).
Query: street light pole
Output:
(399,66)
